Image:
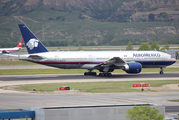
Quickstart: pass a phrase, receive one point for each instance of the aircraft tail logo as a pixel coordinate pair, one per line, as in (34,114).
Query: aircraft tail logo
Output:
(32,43)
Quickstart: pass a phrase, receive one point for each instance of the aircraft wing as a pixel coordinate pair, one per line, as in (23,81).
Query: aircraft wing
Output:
(115,61)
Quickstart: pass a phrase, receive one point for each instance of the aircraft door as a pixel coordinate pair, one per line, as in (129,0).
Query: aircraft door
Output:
(56,58)
(91,58)
(163,58)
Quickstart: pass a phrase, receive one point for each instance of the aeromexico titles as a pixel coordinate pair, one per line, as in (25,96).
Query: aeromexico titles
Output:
(104,61)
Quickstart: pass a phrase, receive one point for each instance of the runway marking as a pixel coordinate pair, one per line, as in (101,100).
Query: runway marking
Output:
(151,95)
(122,100)
(46,104)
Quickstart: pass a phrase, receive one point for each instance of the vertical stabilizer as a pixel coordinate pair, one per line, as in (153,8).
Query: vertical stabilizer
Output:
(32,44)
(20,44)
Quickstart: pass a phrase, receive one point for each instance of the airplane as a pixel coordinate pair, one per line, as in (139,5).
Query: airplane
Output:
(14,49)
(104,61)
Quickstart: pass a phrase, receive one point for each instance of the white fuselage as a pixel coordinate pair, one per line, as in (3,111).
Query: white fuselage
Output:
(89,59)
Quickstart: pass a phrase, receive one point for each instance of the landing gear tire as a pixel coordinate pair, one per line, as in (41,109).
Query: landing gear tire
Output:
(90,73)
(161,71)
(93,73)
(105,74)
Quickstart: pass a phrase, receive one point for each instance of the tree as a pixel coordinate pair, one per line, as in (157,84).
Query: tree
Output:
(155,46)
(176,54)
(144,46)
(166,46)
(144,113)
(162,49)
(129,46)
(58,48)
(151,17)
(79,47)
(163,15)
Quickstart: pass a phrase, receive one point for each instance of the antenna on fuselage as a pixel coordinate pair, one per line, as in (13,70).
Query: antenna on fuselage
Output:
(155,49)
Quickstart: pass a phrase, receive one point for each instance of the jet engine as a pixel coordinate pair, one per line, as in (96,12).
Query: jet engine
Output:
(133,67)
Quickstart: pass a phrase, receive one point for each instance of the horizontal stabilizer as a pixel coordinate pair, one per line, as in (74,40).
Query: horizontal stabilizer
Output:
(12,55)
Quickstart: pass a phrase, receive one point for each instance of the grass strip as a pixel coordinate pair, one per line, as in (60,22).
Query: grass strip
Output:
(99,87)
(174,100)
(69,71)
(14,63)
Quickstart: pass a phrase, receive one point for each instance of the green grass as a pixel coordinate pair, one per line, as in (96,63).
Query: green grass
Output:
(14,63)
(99,87)
(69,71)
(40,71)
(174,100)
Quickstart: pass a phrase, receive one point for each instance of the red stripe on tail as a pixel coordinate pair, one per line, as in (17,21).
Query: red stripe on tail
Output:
(20,44)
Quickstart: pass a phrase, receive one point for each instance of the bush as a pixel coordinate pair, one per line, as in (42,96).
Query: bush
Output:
(144,113)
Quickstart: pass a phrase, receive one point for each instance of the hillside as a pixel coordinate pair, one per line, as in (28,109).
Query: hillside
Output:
(88,22)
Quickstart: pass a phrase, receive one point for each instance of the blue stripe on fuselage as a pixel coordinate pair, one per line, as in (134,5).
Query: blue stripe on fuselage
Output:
(69,62)
(166,63)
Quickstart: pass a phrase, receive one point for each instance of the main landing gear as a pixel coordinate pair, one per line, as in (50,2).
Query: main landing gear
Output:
(161,71)
(105,74)
(90,73)
(100,74)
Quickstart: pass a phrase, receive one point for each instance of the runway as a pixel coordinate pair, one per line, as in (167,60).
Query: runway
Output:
(114,77)
(11,99)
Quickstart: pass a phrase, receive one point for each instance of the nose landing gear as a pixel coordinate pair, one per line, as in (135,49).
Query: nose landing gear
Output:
(161,71)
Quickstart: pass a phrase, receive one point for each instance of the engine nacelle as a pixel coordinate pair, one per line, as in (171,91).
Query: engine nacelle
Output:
(133,67)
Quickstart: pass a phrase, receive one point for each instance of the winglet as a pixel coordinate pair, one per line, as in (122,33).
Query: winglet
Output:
(20,44)
(32,43)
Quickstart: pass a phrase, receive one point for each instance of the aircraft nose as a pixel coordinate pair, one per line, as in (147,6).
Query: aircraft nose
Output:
(174,60)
